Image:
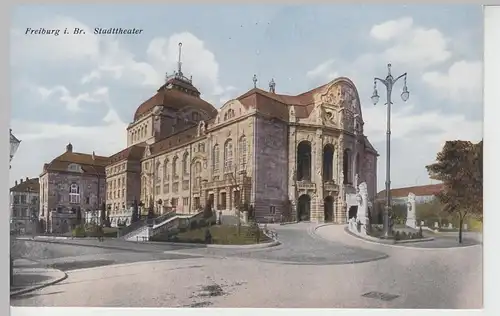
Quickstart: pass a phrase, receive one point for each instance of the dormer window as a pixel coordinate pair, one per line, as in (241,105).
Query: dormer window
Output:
(195,116)
(74,167)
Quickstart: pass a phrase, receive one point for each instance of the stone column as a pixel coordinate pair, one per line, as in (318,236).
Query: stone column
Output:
(228,198)
(216,198)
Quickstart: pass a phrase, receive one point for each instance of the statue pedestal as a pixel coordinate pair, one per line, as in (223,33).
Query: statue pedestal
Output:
(411,222)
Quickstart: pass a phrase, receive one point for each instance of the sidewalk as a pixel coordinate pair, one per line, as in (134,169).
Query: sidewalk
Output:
(30,275)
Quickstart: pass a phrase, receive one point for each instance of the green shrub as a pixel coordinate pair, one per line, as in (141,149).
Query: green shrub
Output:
(78,231)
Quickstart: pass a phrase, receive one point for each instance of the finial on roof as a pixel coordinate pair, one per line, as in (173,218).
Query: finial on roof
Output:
(179,63)
(93,155)
(69,148)
(272,86)
(254,81)
(166,76)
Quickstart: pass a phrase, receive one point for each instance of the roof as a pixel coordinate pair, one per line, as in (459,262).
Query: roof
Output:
(175,98)
(276,104)
(422,190)
(31,185)
(175,140)
(133,152)
(91,164)
(369,146)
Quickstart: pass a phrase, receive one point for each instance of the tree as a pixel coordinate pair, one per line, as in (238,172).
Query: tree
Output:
(207,210)
(103,214)
(78,216)
(135,211)
(459,167)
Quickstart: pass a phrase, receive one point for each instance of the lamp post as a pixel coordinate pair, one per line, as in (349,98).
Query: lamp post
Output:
(14,145)
(388,82)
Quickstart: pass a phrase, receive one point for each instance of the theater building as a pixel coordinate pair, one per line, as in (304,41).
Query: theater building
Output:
(269,150)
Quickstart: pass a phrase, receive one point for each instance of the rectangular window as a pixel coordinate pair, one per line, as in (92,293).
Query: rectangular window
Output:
(185,184)
(74,198)
(272,210)
(196,202)
(175,187)
(16,199)
(158,190)
(166,188)
(185,201)
(23,199)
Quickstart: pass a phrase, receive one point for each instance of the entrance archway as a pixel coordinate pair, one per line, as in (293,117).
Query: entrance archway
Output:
(328,209)
(304,208)
(353,211)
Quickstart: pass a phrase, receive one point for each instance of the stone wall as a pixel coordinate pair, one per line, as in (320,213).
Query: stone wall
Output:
(271,165)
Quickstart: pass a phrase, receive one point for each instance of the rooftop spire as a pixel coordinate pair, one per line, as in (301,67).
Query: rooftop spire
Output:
(254,81)
(179,63)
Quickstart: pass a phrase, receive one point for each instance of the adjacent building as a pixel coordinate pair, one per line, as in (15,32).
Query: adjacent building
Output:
(423,193)
(24,205)
(263,148)
(70,183)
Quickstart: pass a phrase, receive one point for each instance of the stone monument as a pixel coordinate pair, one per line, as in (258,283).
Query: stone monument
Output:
(362,199)
(410,215)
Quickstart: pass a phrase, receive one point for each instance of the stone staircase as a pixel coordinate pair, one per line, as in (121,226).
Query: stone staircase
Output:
(159,226)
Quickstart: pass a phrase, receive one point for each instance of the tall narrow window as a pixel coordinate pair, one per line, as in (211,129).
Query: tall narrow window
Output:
(174,167)
(228,156)
(157,172)
(215,158)
(165,170)
(185,164)
(242,148)
(74,194)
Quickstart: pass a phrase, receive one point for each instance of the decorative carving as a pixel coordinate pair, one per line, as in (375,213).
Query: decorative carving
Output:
(332,96)
(329,116)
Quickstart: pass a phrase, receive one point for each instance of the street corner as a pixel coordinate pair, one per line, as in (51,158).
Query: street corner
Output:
(28,279)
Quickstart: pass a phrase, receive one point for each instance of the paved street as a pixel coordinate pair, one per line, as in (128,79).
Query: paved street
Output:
(305,271)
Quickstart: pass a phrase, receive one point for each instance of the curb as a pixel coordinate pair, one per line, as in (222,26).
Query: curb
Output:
(273,243)
(401,246)
(41,285)
(391,242)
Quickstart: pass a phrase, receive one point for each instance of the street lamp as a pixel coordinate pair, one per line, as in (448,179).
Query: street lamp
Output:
(14,145)
(388,82)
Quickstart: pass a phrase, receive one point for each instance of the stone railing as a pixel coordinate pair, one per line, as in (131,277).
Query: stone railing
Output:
(331,186)
(306,185)
(160,219)
(124,231)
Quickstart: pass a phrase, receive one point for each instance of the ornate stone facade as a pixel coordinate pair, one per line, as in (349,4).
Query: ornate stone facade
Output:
(265,149)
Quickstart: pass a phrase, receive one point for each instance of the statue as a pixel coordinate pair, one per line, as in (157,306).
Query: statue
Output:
(362,214)
(411,220)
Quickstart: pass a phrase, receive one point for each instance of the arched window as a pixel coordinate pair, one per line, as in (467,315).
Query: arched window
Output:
(228,156)
(174,167)
(165,170)
(215,158)
(242,148)
(74,194)
(185,163)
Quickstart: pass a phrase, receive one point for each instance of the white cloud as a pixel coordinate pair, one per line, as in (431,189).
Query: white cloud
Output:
(323,70)
(42,142)
(391,29)
(412,45)
(462,82)
(72,103)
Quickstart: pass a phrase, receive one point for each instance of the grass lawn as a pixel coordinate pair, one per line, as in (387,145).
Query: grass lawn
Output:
(110,231)
(221,235)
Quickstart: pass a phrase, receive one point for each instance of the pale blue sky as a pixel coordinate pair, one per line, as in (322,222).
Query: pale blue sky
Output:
(439,46)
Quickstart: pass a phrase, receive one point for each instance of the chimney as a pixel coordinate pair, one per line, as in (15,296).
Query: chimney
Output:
(21,180)
(69,148)
(15,183)
(93,155)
